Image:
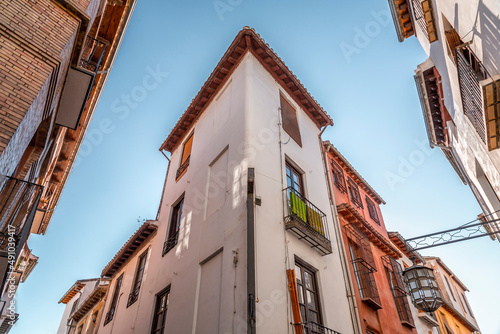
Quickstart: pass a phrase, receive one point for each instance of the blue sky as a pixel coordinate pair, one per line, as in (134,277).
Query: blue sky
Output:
(365,84)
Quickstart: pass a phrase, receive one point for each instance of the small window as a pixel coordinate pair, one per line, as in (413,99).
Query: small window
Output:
(93,321)
(449,287)
(452,38)
(75,304)
(175,224)
(114,301)
(294,179)
(467,304)
(394,275)
(289,119)
(307,291)
(80,329)
(134,294)
(160,315)
(186,157)
(372,210)
(354,193)
(338,177)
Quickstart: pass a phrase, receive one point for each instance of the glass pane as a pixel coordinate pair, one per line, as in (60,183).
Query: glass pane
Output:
(308,280)
(300,294)
(311,300)
(313,316)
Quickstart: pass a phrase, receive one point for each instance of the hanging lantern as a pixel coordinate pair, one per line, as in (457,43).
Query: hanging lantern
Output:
(423,288)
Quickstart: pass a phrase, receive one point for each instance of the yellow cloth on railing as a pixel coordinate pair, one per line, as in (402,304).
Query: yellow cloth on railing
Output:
(314,219)
(298,207)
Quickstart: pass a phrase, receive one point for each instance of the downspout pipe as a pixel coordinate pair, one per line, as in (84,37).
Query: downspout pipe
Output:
(251,251)
(351,297)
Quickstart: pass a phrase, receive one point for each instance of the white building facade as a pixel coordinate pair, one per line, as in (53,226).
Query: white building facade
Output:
(245,239)
(459,88)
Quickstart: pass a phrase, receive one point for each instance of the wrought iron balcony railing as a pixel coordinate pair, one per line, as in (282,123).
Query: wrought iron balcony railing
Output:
(306,221)
(182,168)
(109,316)
(92,54)
(170,243)
(309,327)
(134,295)
(19,201)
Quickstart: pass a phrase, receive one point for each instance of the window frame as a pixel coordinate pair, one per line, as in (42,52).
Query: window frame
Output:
(354,194)
(185,161)
(138,276)
(372,209)
(172,237)
(114,301)
(294,171)
(306,267)
(156,311)
(290,123)
(338,177)
(449,287)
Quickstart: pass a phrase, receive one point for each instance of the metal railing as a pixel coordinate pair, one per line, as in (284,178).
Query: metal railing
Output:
(109,316)
(170,243)
(134,295)
(182,168)
(19,201)
(92,54)
(309,327)
(302,210)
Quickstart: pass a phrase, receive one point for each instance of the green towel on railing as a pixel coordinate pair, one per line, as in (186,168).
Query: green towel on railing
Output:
(298,207)
(314,219)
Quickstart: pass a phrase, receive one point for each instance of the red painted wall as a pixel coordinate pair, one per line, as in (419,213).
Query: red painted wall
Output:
(386,319)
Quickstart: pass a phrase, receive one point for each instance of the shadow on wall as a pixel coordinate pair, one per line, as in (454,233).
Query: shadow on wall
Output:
(490,35)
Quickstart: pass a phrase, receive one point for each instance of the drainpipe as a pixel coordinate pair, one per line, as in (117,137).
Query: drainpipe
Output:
(251,251)
(351,297)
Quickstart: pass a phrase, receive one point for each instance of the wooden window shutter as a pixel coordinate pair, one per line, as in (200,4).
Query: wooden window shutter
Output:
(292,287)
(187,149)
(289,119)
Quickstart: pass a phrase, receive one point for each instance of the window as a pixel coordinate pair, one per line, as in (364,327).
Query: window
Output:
(289,120)
(363,265)
(338,177)
(372,210)
(175,224)
(92,323)
(75,304)
(307,292)
(467,304)
(80,329)
(470,72)
(394,275)
(294,179)
(186,156)
(449,287)
(114,301)
(452,38)
(425,18)
(134,294)
(354,193)
(160,315)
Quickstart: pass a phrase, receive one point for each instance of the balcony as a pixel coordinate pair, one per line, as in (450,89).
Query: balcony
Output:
(306,221)
(79,82)
(309,327)
(19,200)
(182,169)
(424,16)
(134,295)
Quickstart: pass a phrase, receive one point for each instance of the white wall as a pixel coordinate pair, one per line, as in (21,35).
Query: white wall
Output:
(477,21)
(239,129)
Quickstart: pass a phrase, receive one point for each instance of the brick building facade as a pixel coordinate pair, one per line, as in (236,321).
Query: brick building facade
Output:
(54,60)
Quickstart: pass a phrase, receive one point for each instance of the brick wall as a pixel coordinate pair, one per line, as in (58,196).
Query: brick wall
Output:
(35,37)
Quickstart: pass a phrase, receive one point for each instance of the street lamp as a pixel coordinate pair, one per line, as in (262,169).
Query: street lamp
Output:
(423,288)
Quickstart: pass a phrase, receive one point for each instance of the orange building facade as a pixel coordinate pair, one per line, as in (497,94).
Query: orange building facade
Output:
(382,304)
